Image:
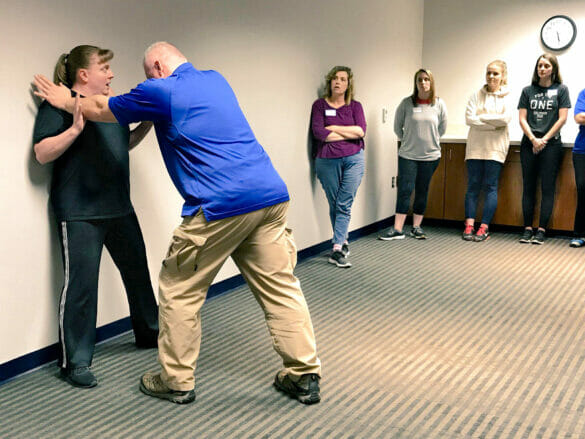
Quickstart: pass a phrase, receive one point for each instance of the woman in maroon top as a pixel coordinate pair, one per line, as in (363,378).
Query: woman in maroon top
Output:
(339,126)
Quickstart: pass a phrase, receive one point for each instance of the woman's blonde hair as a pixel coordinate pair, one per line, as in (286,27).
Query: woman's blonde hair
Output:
(79,58)
(329,77)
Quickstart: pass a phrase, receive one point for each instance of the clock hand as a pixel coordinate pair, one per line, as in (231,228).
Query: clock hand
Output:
(558,37)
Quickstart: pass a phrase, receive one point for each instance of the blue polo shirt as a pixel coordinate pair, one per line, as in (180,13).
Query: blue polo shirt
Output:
(579,147)
(208,147)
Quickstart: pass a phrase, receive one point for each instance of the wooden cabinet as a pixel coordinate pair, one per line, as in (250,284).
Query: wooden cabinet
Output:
(449,184)
(563,216)
(447,189)
(455,181)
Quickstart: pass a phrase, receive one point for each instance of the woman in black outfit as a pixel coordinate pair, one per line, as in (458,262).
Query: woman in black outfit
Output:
(543,110)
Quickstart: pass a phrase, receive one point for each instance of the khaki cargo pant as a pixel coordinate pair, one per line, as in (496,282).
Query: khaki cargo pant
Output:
(265,253)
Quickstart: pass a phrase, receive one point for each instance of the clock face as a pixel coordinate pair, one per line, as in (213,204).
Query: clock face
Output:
(558,32)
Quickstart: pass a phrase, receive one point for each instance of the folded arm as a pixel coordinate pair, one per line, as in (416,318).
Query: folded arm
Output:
(481,122)
(347,132)
(471,117)
(499,120)
(496,120)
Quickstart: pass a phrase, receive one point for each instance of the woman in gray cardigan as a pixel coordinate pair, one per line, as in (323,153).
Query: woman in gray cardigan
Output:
(421,119)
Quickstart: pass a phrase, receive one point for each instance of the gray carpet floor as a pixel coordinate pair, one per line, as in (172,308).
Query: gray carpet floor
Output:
(419,339)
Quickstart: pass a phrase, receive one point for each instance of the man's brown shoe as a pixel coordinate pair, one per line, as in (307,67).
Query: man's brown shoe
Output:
(153,385)
(306,389)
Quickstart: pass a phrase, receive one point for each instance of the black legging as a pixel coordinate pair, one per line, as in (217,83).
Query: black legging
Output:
(546,166)
(414,175)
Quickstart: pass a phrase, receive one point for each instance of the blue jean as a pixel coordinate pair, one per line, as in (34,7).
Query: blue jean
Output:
(482,174)
(340,179)
(414,175)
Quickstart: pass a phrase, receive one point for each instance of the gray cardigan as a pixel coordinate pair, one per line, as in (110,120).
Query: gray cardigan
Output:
(419,129)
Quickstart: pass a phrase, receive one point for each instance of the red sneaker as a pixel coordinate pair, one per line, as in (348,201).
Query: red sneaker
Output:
(468,232)
(482,234)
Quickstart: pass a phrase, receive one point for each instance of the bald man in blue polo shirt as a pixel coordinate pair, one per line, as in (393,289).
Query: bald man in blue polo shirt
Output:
(235,205)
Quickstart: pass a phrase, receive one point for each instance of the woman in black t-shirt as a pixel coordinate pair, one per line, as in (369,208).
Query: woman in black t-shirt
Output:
(90,197)
(543,110)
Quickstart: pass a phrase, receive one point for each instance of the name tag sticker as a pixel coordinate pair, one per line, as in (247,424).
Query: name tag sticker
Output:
(416,110)
(330,112)
(551,93)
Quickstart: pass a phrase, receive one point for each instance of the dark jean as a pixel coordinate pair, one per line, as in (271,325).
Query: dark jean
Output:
(546,166)
(340,179)
(414,175)
(482,174)
(579,166)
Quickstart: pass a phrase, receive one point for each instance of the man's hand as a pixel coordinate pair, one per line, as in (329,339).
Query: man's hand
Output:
(94,108)
(57,95)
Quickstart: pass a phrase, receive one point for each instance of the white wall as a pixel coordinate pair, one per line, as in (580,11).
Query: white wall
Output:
(274,53)
(461,37)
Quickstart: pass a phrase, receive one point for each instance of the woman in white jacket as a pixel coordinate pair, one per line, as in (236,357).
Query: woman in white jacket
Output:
(488,115)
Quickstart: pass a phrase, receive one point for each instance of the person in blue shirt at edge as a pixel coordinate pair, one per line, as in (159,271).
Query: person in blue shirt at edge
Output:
(579,166)
(235,205)
(90,197)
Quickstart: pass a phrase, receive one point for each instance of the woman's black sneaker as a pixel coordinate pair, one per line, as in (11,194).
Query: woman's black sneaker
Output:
(79,377)
(418,233)
(345,250)
(526,237)
(338,259)
(538,237)
(391,235)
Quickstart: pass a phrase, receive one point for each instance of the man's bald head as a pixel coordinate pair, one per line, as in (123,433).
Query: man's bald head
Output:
(161,59)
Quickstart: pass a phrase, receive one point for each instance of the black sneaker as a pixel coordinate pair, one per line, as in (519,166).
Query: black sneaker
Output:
(345,250)
(577,242)
(152,385)
(391,235)
(338,259)
(418,233)
(526,237)
(305,390)
(79,377)
(538,237)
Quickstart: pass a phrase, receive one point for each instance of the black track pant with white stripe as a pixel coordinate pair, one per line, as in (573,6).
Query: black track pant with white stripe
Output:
(81,244)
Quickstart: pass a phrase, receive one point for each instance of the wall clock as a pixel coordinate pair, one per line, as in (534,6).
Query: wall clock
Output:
(558,32)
